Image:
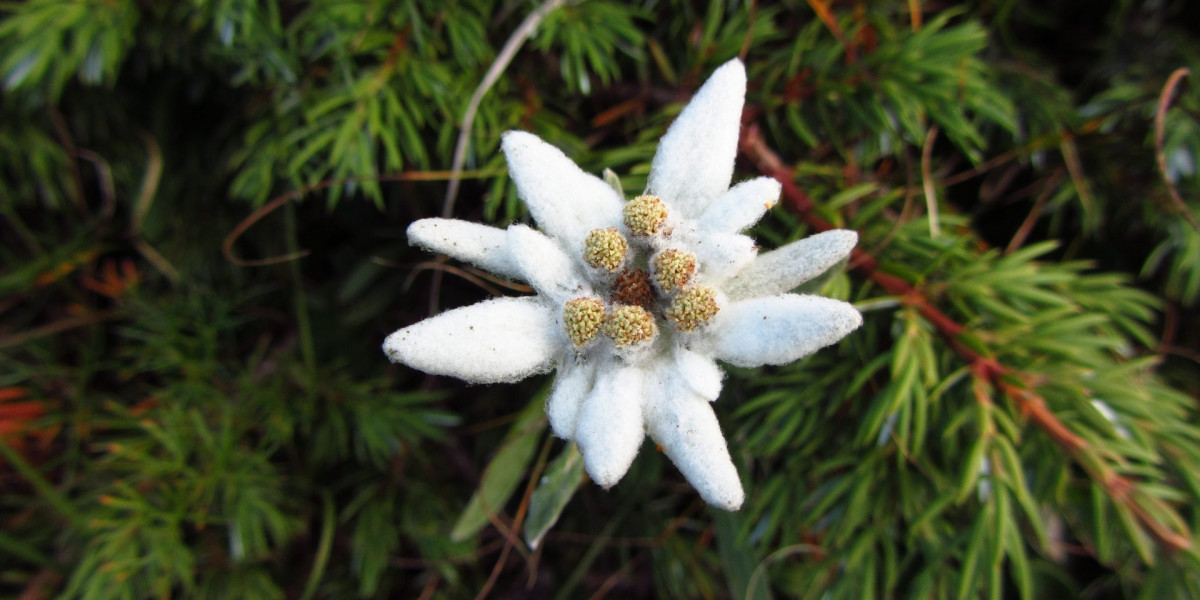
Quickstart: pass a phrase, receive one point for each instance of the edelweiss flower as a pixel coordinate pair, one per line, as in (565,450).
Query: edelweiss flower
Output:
(637,300)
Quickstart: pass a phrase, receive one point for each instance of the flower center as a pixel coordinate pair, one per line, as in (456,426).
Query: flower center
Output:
(634,301)
(632,287)
(644,215)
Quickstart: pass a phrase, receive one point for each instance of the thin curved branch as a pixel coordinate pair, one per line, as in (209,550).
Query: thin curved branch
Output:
(931,206)
(507,52)
(280,200)
(1160,121)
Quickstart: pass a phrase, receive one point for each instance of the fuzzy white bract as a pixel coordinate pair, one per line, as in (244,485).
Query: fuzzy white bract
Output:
(636,300)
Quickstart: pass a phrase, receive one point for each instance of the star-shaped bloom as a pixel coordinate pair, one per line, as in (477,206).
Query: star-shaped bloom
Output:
(636,300)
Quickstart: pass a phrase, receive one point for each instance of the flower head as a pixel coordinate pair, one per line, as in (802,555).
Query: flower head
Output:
(605,249)
(693,308)
(582,318)
(673,269)
(637,300)
(645,215)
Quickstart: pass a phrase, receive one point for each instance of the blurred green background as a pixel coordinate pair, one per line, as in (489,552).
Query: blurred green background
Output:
(202,248)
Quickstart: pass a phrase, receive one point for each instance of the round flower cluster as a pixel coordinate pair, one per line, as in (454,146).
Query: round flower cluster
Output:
(636,300)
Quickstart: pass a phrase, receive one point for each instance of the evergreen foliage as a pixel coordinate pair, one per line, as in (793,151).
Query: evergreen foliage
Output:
(1017,418)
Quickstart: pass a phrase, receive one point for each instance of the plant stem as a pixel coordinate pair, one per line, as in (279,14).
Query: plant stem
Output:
(323,548)
(299,298)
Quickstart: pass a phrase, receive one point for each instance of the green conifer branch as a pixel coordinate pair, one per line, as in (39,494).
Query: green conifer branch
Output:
(1121,489)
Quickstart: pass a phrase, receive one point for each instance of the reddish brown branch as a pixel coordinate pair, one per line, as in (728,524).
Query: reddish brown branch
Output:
(821,8)
(1160,155)
(1034,407)
(1010,382)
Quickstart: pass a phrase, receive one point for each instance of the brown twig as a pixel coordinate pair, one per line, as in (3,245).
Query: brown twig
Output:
(749,30)
(1160,121)
(104,177)
(430,587)
(282,199)
(914,12)
(436,265)
(1180,351)
(141,206)
(154,258)
(42,586)
(474,272)
(68,143)
(511,539)
(611,581)
(821,8)
(1018,238)
(90,318)
(1075,169)
(256,216)
(1012,383)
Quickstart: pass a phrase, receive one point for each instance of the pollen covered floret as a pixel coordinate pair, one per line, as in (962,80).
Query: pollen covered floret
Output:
(673,269)
(605,249)
(645,215)
(693,307)
(583,318)
(628,325)
(632,287)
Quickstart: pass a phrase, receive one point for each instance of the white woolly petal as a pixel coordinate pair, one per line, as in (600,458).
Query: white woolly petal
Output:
(686,427)
(566,202)
(571,385)
(609,430)
(719,255)
(501,340)
(694,161)
(780,329)
(543,264)
(742,206)
(481,245)
(783,269)
(698,372)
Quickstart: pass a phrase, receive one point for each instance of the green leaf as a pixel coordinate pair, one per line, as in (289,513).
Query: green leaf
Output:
(553,493)
(503,473)
(1018,563)
(969,577)
(614,181)
(48,491)
(1141,541)
(971,468)
(737,556)
(1015,480)
(22,549)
